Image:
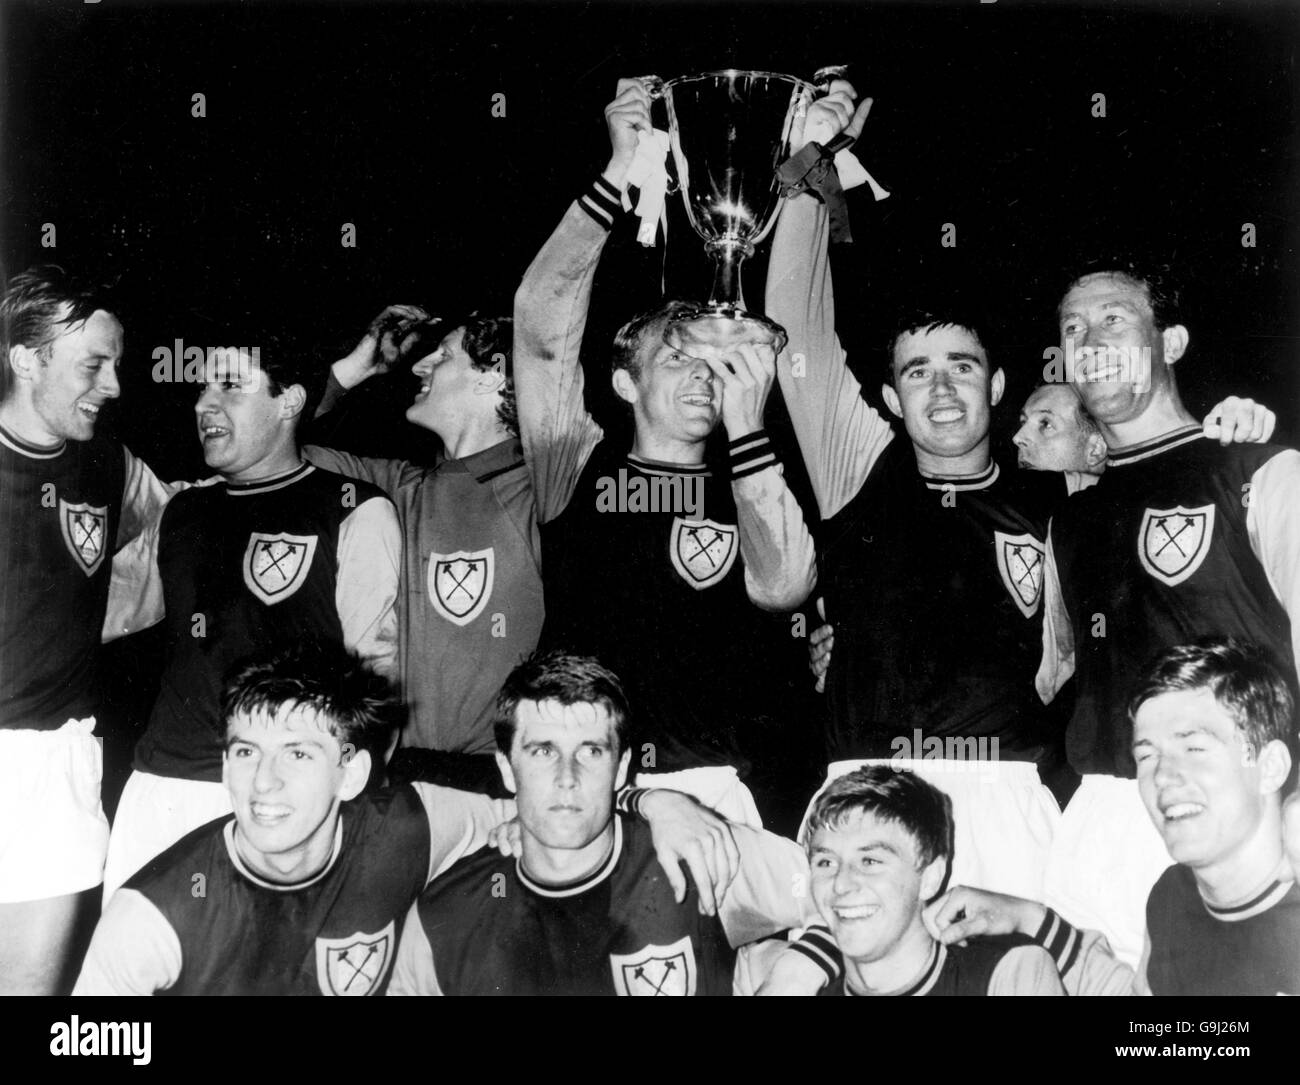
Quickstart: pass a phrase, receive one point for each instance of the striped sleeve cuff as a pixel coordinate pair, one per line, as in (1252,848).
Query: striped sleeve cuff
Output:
(628,801)
(1060,939)
(819,947)
(751,453)
(602,202)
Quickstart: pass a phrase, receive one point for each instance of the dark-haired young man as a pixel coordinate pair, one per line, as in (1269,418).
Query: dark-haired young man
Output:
(1213,736)
(1181,538)
(656,563)
(880,843)
(70,500)
(301,891)
(471,604)
(279,551)
(931,555)
(586,909)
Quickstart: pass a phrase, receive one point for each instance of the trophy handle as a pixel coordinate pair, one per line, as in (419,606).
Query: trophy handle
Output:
(654,86)
(657,88)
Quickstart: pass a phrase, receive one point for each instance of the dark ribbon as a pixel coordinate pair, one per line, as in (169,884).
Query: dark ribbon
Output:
(813,170)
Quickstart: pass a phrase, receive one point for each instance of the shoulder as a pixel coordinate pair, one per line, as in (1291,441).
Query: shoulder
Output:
(175,868)
(355,491)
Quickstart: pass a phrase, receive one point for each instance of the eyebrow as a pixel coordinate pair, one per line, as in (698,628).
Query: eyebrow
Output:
(1115,303)
(952,356)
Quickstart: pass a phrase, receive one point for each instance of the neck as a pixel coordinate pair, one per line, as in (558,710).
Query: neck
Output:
(471,436)
(292,867)
(1248,870)
(560,866)
(23,422)
(899,968)
(973,462)
(280,462)
(1164,414)
(649,446)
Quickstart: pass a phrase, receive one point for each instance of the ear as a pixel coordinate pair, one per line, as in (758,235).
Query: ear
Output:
(1175,339)
(1274,766)
(997,385)
(356,773)
(1095,450)
(932,878)
(624,386)
(23,361)
(620,778)
(507,773)
(494,379)
(292,400)
(891,400)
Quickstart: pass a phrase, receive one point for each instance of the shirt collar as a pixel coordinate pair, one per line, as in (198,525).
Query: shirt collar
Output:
(1144,450)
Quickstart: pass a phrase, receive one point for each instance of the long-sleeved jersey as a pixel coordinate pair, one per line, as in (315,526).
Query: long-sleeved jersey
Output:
(67,511)
(996,965)
(665,590)
(471,602)
(933,584)
(486,927)
(1180,539)
(198,920)
(246,566)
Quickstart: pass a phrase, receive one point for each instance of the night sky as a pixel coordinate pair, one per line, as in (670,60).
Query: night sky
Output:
(381,115)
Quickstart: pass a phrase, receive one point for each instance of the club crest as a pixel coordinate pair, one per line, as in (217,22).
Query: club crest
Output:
(275,566)
(702,551)
(1020,561)
(355,965)
(656,970)
(83,531)
(1172,543)
(460,584)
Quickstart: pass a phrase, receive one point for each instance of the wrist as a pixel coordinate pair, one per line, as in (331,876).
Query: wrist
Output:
(616,171)
(348,372)
(750,452)
(602,203)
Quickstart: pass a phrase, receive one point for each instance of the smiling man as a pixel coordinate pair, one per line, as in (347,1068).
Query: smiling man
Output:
(879,845)
(71,499)
(1181,538)
(671,599)
(471,606)
(586,909)
(279,551)
(1213,738)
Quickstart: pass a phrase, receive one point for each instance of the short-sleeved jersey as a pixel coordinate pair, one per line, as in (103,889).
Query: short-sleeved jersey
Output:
(198,920)
(933,587)
(246,566)
(1195,949)
(1160,552)
(657,593)
(61,508)
(471,602)
(1003,964)
(490,929)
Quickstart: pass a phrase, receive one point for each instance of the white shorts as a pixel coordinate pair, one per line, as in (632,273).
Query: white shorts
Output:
(53,833)
(1106,858)
(153,813)
(716,786)
(1004,819)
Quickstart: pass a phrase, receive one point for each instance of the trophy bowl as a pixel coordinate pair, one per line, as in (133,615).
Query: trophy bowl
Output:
(729,131)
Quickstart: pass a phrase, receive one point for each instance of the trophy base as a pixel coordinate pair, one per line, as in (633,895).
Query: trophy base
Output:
(721,326)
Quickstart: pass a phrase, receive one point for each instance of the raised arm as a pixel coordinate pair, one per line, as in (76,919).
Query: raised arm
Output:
(839,433)
(369,563)
(551,315)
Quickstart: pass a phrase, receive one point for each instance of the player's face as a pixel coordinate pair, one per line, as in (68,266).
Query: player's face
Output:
(80,376)
(1200,784)
(676,395)
(449,384)
(943,390)
(1107,325)
(564,768)
(287,776)
(1051,437)
(868,884)
(242,426)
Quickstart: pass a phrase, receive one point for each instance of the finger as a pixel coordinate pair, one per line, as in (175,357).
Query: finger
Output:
(842,86)
(964,929)
(675,876)
(722,370)
(820,687)
(948,907)
(696,864)
(821,607)
(1260,424)
(730,853)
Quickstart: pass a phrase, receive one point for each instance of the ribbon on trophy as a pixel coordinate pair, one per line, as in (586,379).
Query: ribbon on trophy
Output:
(649,173)
(829,170)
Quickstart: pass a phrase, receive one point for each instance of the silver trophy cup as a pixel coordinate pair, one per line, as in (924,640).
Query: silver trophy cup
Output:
(729,131)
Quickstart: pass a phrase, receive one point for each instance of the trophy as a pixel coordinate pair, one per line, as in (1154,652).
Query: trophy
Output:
(729,131)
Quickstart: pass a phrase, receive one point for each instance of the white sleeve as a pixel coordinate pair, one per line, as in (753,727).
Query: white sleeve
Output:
(770,893)
(366,586)
(1058,635)
(1273,525)
(134,950)
(413,971)
(459,822)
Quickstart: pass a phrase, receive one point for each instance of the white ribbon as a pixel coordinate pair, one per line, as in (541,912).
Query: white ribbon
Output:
(649,173)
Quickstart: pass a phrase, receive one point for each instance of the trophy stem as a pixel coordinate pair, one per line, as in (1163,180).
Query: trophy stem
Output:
(727,254)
